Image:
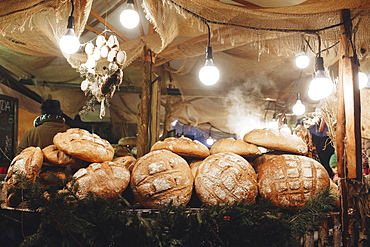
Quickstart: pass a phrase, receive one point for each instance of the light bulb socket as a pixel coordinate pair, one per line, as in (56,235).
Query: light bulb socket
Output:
(319,64)
(71,20)
(130,1)
(209,54)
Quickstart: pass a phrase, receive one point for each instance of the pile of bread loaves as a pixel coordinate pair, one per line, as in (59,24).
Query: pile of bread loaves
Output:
(177,169)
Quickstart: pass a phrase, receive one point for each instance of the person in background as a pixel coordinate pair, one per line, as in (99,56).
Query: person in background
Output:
(334,167)
(46,126)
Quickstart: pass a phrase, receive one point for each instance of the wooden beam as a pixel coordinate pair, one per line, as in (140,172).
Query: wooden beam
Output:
(143,116)
(112,28)
(106,13)
(151,28)
(141,28)
(94,30)
(351,100)
(155,104)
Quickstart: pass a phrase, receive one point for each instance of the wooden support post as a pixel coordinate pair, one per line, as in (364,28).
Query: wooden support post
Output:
(348,132)
(143,118)
(351,99)
(337,236)
(323,240)
(155,110)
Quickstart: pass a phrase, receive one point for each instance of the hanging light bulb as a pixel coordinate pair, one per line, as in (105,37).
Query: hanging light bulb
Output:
(129,17)
(299,108)
(362,80)
(210,140)
(321,86)
(209,73)
(302,61)
(69,43)
(285,128)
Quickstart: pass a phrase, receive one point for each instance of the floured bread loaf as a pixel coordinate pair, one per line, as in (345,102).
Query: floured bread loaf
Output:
(226,177)
(288,180)
(277,140)
(55,157)
(108,179)
(126,161)
(182,146)
(83,145)
(239,147)
(28,164)
(161,177)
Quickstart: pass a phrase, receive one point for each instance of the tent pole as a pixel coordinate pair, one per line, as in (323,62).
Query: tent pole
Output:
(348,133)
(144,107)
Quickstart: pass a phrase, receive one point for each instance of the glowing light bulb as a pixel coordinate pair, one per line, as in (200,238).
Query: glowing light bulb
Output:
(69,43)
(362,80)
(129,17)
(209,73)
(210,141)
(320,87)
(299,108)
(302,61)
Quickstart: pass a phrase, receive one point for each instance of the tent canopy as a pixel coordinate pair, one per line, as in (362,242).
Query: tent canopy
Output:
(254,46)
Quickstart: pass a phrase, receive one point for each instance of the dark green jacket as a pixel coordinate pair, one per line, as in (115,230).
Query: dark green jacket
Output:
(41,136)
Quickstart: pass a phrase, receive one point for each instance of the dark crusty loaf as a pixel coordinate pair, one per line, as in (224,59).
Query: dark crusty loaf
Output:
(160,177)
(182,146)
(235,146)
(277,140)
(290,180)
(83,145)
(126,161)
(28,164)
(108,179)
(225,177)
(55,157)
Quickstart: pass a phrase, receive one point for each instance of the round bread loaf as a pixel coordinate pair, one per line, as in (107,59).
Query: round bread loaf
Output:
(126,161)
(128,141)
(108,179)
(55,157)
(83,145)
(161,177)
(239,147)
(27,164)
(277,140)
(288,180)
(226,177)
(121,151)
(182,146)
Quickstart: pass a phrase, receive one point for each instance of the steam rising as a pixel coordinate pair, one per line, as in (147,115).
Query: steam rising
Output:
(246,108)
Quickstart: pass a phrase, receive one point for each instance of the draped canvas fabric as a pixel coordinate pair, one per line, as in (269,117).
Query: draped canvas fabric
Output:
(253,47)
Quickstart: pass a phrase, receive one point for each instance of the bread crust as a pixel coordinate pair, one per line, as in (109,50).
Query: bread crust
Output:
(83,145)
(161,177)
(182,146)
(28,163)
(225,177)
(126,161)
(108,179)
(277,140)
(55,157)
(289,180)
(239,147)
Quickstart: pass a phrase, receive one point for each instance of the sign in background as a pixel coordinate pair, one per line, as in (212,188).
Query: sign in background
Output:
(8,129)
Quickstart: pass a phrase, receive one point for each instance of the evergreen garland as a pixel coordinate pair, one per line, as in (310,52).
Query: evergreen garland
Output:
(95,221)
